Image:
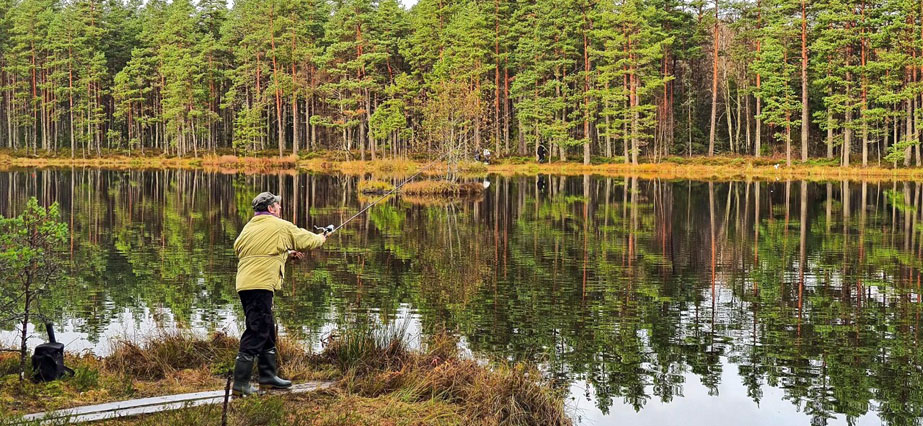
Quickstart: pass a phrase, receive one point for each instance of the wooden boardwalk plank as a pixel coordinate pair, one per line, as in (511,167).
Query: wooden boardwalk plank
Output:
(156,404)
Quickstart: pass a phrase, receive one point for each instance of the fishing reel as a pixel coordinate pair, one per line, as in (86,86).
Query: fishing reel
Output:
(326,230)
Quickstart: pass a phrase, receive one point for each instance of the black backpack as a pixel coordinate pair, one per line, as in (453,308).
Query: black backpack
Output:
(48,360)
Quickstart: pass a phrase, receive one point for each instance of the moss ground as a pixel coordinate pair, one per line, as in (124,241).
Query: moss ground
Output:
(379,381)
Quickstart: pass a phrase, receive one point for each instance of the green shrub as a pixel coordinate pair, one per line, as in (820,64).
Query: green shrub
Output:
(260,411)
(85,378)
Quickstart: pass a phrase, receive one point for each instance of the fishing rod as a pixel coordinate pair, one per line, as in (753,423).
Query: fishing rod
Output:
(329,229)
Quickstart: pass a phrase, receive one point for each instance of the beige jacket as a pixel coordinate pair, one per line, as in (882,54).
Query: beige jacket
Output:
(262,249)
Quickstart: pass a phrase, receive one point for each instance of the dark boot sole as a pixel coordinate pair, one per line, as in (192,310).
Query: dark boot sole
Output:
(269,386)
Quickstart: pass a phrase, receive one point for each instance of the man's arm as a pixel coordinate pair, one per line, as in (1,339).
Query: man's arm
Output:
(302,239)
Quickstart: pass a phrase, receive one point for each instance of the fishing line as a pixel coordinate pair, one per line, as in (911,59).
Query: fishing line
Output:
(329,229)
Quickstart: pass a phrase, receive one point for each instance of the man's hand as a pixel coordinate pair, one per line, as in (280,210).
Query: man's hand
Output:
(297,255)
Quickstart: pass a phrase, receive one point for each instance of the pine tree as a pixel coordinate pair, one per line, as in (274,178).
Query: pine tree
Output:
(30,20)
(182,75)
(6,113)
(351,67)
(778,71)
(833,56)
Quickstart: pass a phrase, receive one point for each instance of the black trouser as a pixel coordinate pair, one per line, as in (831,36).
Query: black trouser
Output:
(260,334)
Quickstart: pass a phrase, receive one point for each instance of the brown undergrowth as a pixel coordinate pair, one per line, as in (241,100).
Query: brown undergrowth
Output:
(379,381)
(719,168)
(436,201)
(374,187)
(442,188)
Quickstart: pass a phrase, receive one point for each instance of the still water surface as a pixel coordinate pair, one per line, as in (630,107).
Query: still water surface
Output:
(654,302)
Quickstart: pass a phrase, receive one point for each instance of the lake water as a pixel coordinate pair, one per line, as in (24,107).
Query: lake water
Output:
(654,302)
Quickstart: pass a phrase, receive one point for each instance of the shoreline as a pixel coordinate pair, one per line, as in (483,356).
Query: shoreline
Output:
(374,378)
(695,168)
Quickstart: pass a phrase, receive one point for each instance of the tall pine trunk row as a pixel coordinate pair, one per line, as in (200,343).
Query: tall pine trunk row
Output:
(636,79)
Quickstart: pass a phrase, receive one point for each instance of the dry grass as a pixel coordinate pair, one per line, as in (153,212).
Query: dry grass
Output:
(716,169)
(382,382)
(374,187)
(248,163)
(442,188)
(9,363)
(389,167)
(436,200)
(158,357)
(721,168)
(474,167)
(325,408)
(503,394)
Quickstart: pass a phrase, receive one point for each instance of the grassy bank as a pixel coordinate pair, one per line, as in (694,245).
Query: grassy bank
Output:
(705,168)
(378,381)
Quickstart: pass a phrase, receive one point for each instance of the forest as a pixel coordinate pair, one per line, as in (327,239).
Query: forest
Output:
(836,81)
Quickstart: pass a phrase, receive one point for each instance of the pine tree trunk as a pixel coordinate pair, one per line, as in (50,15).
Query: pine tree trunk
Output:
(275,78)
(847,130)
(688,102)
(586,92)
(916,130)
(361,140)
(759,128)
(908,131)
(368,119)
(608,133)
(727,110)
(805,114)
(896,140)
(759,100)
(497,71)
(788,142)
(739,124)
(506,113)
(829,133)
(625,136)
(295,133)
(34,97)
(714,88)
(24,335)
(70,93)
(308,111)
(635,131)
(10,117)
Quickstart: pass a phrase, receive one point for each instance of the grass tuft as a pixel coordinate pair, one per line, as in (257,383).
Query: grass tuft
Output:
(442,188)
(378,365)
(361,349)
(163,355)
(374,187)
(472,167)
(9,363)
(382,381)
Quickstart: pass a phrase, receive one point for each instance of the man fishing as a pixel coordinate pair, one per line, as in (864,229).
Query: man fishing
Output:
(262,248)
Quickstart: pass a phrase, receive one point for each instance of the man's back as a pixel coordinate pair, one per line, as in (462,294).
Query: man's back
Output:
(262,248)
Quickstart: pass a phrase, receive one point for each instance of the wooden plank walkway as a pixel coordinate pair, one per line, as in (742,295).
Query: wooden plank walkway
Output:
(135,407)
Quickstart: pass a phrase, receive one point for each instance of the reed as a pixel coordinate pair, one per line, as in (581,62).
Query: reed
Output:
(382,381)
(9,361)
(158,357)
(513,394)
(718,168)
(442,188)
(361,349)
(371,186)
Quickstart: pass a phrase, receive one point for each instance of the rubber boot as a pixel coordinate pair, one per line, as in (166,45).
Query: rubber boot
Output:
(243,369)
(268,370)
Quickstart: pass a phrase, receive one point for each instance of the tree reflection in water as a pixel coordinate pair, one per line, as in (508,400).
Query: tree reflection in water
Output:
(628,285)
